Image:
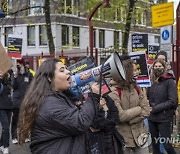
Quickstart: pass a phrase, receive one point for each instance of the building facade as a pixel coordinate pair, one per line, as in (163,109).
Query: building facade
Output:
(70,27)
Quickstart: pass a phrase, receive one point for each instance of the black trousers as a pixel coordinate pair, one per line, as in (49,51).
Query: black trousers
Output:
(5,119)
(14,122)
(164,129)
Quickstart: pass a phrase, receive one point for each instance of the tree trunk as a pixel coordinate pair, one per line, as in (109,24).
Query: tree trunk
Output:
(48,27)
(128,26)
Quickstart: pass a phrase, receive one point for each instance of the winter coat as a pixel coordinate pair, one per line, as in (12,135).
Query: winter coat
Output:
(163,99)
(5,96)
(20,85)
(133,109)
(107,138)
(60,126)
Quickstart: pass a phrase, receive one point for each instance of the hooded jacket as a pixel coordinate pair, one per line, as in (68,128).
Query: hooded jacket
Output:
(60,126)
(163,99)
(133,109)
(20,85)
(5,96)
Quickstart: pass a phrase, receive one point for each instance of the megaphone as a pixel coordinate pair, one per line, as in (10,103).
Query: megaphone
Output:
(111,68)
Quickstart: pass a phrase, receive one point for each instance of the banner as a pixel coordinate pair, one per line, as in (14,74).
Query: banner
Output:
(140,60)
(139,42)
(14,46)
(82,65)
(5,62)
(152,52)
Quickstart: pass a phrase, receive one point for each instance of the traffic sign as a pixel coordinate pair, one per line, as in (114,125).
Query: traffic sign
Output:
(163,14)
(166,35)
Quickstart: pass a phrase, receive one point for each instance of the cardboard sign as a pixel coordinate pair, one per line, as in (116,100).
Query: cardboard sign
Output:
(5,62)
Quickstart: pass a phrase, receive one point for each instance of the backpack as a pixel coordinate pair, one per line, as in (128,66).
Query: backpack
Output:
(119,90)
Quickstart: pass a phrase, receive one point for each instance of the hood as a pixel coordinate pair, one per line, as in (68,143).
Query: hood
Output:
(166,77)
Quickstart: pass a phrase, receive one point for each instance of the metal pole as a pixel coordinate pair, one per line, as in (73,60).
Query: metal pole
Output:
(90,23)
(178,40)
(91,38)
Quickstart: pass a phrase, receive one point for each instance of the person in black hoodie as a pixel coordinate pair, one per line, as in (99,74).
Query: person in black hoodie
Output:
(5,111)
(20,82)
(49,115)
(163,101)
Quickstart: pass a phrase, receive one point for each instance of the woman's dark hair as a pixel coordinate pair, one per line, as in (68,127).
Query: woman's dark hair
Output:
(128,66)
(35,96)
(164,53)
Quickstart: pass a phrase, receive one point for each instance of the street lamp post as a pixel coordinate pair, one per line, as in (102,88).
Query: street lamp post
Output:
(106,3)
(178,41)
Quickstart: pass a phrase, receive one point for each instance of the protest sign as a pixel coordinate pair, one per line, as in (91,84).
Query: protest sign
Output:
(14,46)
(5,62)
(140,60)
(139,42)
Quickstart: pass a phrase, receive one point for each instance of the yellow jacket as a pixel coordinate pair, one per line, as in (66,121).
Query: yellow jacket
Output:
(178,89)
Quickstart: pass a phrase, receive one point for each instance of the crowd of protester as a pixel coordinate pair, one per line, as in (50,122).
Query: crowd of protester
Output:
(45,111)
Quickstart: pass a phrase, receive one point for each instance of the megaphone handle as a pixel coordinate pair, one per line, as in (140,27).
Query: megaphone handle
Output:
(100,79)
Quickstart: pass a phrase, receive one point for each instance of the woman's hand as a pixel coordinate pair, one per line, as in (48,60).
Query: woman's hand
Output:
(102,104)
(15,73)
(1,74)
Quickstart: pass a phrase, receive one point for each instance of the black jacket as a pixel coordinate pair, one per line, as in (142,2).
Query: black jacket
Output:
(108,140)
(5,96)
(59,127)
(20,85)
(163,99)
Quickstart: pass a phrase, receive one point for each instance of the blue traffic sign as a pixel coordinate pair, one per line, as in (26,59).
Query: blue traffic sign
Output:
(165,34)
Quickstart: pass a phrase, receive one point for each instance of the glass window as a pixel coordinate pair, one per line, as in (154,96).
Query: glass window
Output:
(31,36)
(119,13)
(144,17)
(38,10)
(123,14)
(70,6)
(42,35)
(75,36)
(138,17)
(156,39)
(101,39)
(116,39)
(94,39)
(7,31)
(65,35)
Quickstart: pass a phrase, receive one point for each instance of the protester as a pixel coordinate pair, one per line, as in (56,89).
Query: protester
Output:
(27,66)
(163,100)
(103,137)
(49,115)
(133,109)
(71,61)
(20,82)
(178,88)
(5,111)
(163,56)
